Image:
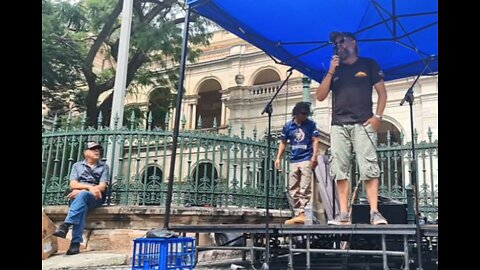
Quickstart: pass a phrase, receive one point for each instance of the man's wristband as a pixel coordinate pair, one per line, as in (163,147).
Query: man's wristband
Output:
(379,117)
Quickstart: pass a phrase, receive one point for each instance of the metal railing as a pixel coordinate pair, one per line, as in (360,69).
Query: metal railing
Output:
(394,160)
(212,169)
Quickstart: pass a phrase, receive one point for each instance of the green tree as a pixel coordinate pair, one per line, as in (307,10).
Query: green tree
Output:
(76,37)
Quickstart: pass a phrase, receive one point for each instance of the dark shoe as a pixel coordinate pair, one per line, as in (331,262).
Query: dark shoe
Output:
(74,249)
(62,230)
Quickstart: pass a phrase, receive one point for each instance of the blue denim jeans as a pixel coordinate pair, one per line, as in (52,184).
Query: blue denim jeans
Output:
(77,213)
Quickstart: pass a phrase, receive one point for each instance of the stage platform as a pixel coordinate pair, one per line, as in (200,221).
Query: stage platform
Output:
(308,242)
(393,229)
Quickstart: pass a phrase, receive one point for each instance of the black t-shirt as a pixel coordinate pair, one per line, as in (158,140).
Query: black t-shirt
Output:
(352,87)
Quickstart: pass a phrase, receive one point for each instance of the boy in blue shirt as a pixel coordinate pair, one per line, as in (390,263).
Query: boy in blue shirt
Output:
(302,134)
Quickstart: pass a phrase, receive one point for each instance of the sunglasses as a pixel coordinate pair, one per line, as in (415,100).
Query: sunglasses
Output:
(341,41)
(304,113)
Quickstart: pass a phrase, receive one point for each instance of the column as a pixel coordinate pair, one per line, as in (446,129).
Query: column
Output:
(224,115)
(188,116)
(225,111)
(306,88)
(172,118)
(144,109)
(193,115)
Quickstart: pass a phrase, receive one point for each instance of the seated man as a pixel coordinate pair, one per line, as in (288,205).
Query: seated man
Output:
(88,183)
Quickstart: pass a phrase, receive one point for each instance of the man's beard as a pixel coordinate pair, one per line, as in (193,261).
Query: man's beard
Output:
(344,54)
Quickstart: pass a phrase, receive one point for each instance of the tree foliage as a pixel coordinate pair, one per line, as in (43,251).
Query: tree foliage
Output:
(80,45)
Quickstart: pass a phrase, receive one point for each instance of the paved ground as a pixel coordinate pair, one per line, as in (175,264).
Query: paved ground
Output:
(85,260)
(118,261)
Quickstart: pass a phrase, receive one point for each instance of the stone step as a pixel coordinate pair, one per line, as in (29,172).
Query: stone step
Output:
(86,260)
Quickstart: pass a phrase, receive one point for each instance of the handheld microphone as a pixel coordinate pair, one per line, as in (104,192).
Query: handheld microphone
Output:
(335,52)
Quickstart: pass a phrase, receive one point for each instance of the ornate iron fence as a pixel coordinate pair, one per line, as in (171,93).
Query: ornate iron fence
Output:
(394,161)
(213,167)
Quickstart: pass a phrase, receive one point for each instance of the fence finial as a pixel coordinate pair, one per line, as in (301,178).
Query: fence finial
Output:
(55,122)
(242,131)
(149,120)
(115,121)
(167,120)
(199,122)
(184,121)
(84,120)
(99,120)
(69,120)
(389,139)
(132,120)
(214,122)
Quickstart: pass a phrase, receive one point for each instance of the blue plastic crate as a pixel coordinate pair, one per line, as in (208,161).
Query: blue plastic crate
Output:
(163,253)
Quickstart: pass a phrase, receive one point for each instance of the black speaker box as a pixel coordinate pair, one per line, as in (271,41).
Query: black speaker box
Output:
(394,211)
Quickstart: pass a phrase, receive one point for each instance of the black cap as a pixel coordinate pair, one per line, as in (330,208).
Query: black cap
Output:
(91,145)
(334,35)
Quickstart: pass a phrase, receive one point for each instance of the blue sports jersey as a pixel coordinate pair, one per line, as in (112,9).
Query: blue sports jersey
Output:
(300,137)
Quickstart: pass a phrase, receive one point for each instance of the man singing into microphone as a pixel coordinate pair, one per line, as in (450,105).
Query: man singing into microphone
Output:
(354,125)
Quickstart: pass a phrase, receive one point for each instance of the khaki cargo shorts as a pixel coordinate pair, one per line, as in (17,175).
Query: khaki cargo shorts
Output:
(354,137)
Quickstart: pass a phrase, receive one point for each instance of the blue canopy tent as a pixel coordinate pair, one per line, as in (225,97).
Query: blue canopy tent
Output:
(400,34)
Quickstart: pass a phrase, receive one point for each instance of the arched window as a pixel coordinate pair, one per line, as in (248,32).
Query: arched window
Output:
(159,104)
(391,161)
(205,174)
(203,184)
(209,104)
(153,174)
(266,76)
(262,175)
(385,128)
(151,180)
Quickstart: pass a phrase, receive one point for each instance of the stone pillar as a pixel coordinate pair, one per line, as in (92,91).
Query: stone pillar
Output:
(186,116)
(172,118)
(225,110)
(193,115)
(190,103)
(306,88)
(221,121)
(144,109)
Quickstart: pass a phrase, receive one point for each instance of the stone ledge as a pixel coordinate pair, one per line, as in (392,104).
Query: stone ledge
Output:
(152,210)
(87,260)
(146,217)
